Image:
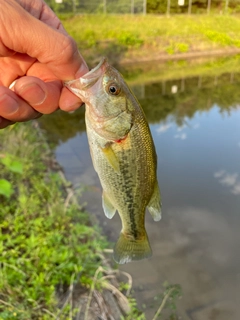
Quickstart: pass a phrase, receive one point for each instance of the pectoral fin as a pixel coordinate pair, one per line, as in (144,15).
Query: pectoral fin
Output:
(108,208)
(154,205)
(111,157)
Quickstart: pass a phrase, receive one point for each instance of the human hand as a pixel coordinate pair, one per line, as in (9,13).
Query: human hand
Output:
(38,54)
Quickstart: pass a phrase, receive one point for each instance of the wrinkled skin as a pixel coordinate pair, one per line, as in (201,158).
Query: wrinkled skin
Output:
(36,51)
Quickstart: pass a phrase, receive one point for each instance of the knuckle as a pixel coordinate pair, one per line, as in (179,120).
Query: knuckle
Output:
(69,49)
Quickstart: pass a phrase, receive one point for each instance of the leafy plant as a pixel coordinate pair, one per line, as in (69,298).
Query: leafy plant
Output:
(43,240)
(129,39)
(13,166)
(177,48)
(5,188)
(169,298)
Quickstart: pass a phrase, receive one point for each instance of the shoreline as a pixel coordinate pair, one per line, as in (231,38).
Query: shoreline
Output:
(181,56)
(125,39)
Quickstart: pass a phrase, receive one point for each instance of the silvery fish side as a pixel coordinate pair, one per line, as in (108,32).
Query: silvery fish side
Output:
(123,155)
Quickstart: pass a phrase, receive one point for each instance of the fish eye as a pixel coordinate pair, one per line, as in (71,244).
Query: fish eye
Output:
(114,89)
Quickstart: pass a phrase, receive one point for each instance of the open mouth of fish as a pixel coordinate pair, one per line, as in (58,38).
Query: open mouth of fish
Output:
(79,86)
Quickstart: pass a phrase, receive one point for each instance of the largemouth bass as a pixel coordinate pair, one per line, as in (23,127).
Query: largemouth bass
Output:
(123,155)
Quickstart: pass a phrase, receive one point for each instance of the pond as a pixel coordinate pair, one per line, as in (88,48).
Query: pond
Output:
(195,123)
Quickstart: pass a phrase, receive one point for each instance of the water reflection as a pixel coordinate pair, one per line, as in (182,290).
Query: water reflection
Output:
(230,180)
(158,103)
(195,126)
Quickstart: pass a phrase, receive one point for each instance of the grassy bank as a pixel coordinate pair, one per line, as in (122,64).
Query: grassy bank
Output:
(51,257)
(45,241)
(125,38)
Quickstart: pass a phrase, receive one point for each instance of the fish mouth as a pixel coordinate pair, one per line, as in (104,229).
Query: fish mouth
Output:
(78,86)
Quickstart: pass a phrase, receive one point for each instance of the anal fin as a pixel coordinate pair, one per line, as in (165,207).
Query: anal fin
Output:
(108,208)
(154,205)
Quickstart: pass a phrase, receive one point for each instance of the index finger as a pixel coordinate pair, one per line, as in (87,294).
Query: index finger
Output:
(39,40)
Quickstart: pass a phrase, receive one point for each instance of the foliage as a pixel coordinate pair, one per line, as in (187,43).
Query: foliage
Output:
(128,39)
(135,313)
(191,100)
(153,6)
(43,242)
(222,38)
(169,299)
(5,188)
(133,37)
(13,166)
(197,6)
(176,47)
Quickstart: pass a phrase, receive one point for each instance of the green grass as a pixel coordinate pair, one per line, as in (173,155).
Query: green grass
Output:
(44,242)
(138,36)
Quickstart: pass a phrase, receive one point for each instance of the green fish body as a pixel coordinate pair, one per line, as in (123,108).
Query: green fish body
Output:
(123,155)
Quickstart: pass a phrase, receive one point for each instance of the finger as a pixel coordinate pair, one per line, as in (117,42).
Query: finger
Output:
(40,10)
(13,108)
(4,51)
(13,67)
(68,101)
(5,123)
(43,97)
(49,46)
(57,95)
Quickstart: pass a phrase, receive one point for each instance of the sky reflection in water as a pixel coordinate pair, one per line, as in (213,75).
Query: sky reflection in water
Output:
(203,155)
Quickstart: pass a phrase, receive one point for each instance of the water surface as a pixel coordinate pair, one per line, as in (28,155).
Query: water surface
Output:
(195,123)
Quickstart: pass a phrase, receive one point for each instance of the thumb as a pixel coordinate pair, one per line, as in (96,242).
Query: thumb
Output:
(22,32)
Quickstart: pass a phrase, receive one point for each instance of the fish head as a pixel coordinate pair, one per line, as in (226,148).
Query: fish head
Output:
(107,99)
(103,90)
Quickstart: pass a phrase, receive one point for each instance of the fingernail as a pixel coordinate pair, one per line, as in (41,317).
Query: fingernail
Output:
(12,85)
(8,105)
(32,93)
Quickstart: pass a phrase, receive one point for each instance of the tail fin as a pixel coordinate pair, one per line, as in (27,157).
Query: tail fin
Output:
(127,250)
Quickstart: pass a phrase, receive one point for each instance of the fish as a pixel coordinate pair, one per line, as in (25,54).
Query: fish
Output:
(123,155)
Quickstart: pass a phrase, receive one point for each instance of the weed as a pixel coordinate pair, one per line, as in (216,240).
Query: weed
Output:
(177,48)
(169,298)
(182,47)
(130,40)
(42,242)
